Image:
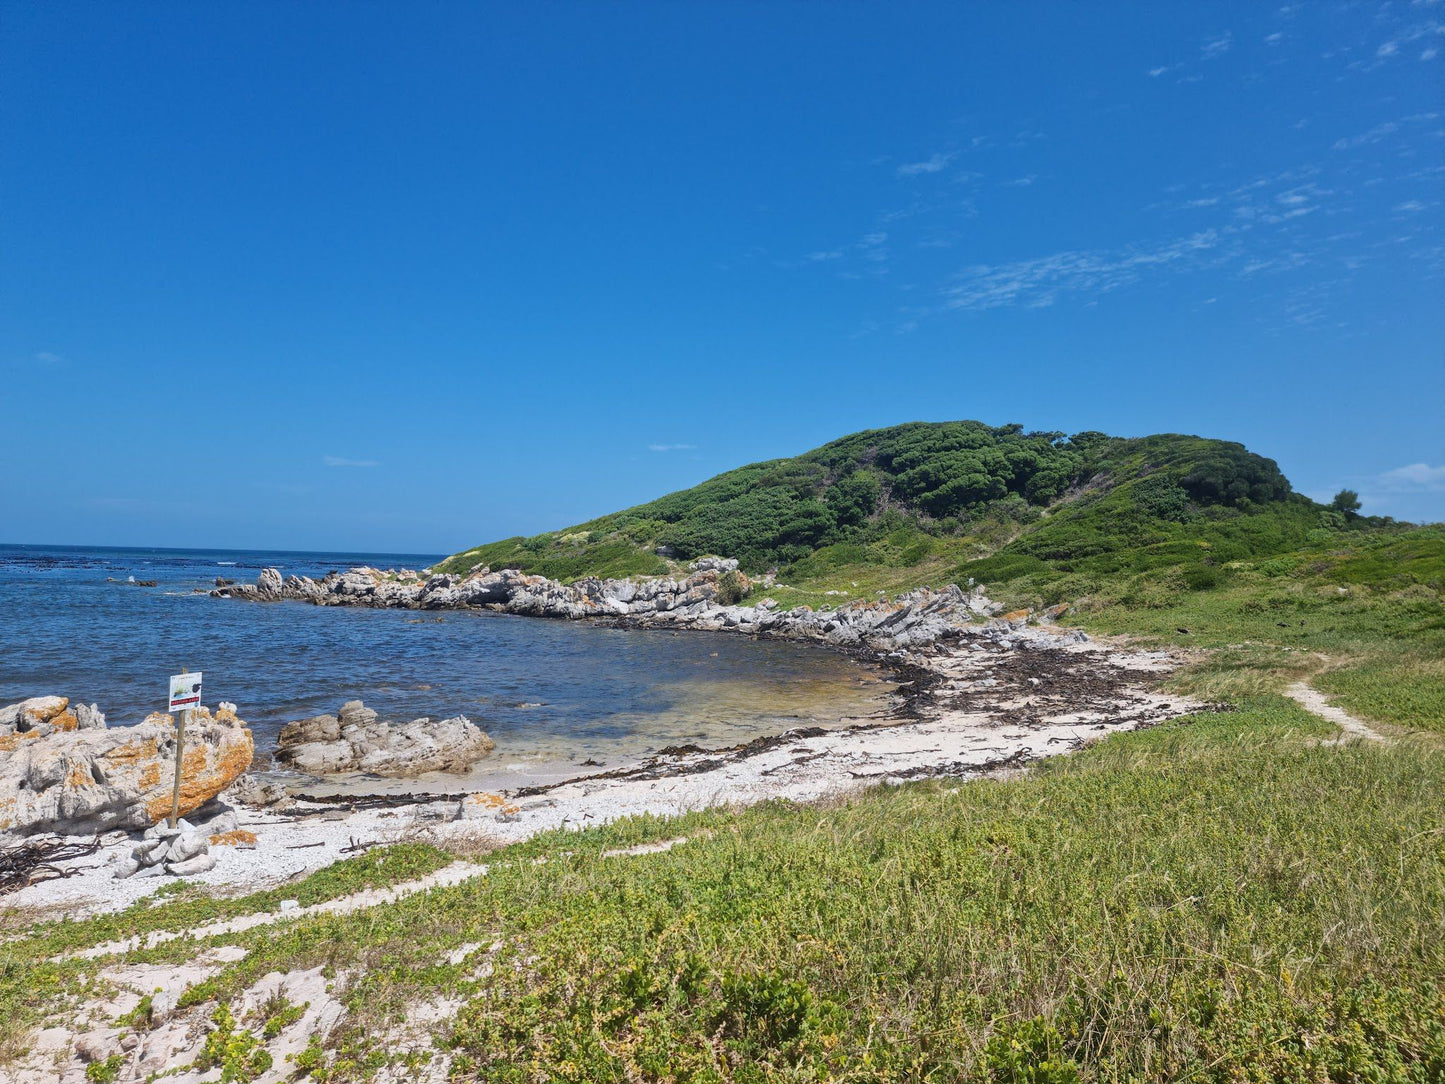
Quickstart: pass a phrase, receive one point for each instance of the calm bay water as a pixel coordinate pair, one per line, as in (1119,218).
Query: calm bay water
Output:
(545,690)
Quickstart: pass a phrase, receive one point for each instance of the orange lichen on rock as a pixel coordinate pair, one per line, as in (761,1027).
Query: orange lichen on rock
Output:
(8,742)
(237,837)
(42,709)
(206,770)
(483,801)
(1016,616)
(79,775)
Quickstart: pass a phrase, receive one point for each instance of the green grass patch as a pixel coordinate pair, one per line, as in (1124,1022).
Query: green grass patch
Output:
(1405,688)
(1219,900)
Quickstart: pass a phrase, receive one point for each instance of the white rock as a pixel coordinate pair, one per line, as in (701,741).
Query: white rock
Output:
(201,863)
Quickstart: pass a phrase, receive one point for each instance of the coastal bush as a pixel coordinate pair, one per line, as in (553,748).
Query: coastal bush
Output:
(1060,498)
(731,589)
(1166,904)
(1162,497)
(232,1048)
(105,1071)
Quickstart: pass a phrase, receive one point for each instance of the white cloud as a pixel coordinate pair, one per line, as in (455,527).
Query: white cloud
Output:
(1415,477)
(934,164)
(1409,206)
(1155,73)
(671,447)
(1374,135)
(820,257)
(1380,131)
(1429,54)
(45,357)
(1294,197)
(1388,49)
(1021,182)
(1217,47)
(1037,283)
(342,461)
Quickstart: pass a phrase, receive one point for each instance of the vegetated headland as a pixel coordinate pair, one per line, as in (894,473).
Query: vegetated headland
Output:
(1229,893)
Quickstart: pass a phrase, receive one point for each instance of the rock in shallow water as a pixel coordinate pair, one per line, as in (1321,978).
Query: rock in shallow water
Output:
(355,740)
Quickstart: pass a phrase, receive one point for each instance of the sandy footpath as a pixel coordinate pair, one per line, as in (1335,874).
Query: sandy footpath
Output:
(979,707)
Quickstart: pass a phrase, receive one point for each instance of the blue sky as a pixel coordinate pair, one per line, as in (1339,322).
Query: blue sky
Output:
(415,276)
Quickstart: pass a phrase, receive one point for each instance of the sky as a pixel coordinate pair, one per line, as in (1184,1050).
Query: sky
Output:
(411,277)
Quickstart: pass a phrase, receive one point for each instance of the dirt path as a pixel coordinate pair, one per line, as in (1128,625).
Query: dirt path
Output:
(1312,700)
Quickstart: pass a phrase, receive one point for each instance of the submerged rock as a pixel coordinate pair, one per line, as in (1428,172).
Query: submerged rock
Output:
(356,740)
(64,771)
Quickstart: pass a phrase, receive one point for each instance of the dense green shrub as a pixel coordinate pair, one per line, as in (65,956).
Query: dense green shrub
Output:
(940,479)
(731,589)
(1161,496)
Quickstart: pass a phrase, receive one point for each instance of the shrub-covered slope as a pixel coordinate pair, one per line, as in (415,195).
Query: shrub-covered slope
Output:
(889,498)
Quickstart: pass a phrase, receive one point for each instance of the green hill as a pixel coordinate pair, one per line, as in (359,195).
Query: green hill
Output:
(932,501)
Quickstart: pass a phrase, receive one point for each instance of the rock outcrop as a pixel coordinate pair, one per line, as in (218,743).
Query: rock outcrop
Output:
(62,770)
(43,715)
(356,740)
(906,623)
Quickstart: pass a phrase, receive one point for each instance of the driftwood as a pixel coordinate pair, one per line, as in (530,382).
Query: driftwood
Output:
(31,863)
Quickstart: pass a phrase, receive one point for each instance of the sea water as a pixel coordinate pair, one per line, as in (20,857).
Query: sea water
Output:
(550,693)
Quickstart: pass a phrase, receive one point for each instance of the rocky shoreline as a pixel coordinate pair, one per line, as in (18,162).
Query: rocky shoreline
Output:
(979,691)
(695,601)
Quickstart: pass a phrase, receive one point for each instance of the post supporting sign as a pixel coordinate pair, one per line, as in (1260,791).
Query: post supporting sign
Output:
(185,695)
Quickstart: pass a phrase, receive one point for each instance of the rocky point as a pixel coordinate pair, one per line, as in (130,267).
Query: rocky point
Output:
(63,770)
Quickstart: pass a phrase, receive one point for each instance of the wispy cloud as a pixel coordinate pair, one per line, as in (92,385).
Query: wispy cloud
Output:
(342,461)
(1215,48)
(933,164)
(45,357)
(1430,29)
(671,447)
(1155,73)
(1374,135)
(1380,131)
(1417,477)
(1037,283)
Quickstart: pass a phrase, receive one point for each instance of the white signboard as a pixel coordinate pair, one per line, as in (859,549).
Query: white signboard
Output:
(185,691)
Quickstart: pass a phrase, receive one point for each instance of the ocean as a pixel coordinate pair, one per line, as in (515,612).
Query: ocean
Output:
(550,693)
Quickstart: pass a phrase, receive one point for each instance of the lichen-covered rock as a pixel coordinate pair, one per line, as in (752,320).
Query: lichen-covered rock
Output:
(34,713)
(355,740)
(65,777)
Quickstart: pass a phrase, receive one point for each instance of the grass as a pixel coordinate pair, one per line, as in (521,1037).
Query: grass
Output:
(1219,900)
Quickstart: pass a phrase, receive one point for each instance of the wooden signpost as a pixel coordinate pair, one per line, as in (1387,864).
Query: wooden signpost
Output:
(185,695)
